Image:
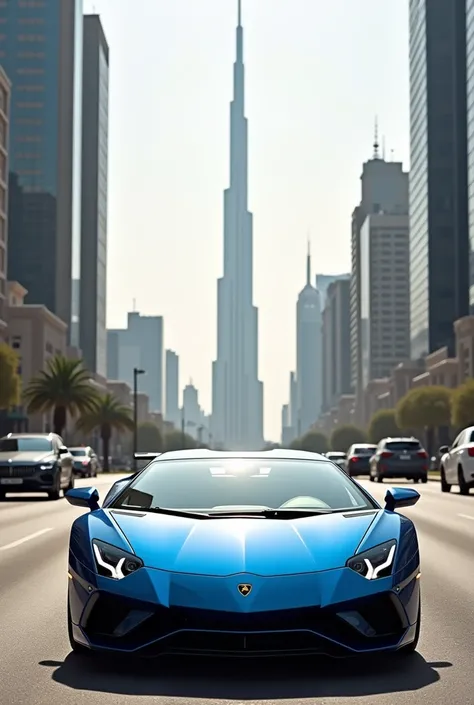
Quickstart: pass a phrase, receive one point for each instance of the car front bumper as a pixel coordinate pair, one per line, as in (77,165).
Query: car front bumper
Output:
(18,479)
(152,613)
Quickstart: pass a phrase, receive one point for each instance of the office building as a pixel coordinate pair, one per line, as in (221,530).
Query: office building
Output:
(237,393)
(139,345)
(385,295)
(323,282)
(4,147)
(95,130)
(470,141)
(384,189)
(172,412)
(308,355)
(439,243)
(41,51)
(336,343)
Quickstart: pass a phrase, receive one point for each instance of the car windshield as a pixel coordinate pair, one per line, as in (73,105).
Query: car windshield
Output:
(253,484)
(10,445)
(403,445)
(80,451)
(364,450)
(336,455)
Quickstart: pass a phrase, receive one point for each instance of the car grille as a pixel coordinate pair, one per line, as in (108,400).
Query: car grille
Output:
(132,626)
(12,470)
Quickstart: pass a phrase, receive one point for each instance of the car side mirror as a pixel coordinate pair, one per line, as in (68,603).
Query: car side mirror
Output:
(398,497)
(86,497)
(63,450)
(443,450)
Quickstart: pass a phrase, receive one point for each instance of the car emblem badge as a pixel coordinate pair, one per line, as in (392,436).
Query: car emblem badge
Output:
(245,589)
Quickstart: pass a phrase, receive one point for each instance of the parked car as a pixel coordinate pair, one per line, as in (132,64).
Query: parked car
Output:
(338,458)
(399,458)
(457,462)
(35,462)
(358,457)
(86,463)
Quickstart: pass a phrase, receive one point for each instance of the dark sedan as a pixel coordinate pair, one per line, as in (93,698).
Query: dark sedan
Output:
(35,463)
(358,457)
(399,458)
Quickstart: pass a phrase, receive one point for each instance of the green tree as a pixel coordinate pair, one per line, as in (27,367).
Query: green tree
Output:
(344,436)
(175,440)
(314,442)
(65,388)
(9,378)
(106,415)
(383,424)
(424,408)
(149,438)
(296,444)
(462,409)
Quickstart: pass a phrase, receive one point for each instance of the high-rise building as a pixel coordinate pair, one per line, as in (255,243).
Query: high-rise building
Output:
(439,243)
(336,343)
(139,345)
(385,294)
(41,51)
(5,88)
(324,281)
(95,130)
(470,141)
(237,395)
(172,413)
(384,189)
(308,355)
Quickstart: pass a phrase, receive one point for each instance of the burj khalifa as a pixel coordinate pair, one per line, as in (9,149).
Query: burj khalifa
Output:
(237,394)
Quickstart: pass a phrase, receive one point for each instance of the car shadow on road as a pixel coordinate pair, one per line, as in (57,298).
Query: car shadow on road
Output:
(260,679)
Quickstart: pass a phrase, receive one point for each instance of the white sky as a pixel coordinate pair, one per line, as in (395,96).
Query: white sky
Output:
(317,73)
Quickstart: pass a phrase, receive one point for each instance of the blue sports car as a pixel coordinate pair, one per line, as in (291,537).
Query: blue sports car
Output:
(250,554)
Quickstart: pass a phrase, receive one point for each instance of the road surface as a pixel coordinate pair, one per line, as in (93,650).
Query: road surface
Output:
(37,668)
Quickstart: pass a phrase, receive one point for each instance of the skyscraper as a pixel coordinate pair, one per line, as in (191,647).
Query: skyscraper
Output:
(336,347)
(41,51)
(324,281)
(95,129)
(237,395)
(439,242)
(172,412)
(309,360)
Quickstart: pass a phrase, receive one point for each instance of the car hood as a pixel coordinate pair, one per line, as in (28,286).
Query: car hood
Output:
(228,546)
(26,456)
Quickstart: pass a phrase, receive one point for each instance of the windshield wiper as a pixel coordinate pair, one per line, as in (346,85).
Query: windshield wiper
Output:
(161,510)
(283,512)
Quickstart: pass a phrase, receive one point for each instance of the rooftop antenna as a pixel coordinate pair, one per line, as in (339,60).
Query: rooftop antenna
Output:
(376,138)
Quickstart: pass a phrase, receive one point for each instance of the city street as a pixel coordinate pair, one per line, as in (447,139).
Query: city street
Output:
(37,668)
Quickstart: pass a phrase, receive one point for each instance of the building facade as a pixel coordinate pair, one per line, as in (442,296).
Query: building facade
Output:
(41,51)
(439,243)
(5,88)
(384,189)
(470,140)
(324,281)
(95,130)
(172,412)
(237,392)
(385,295)
(139,345)
(308,355)
(336,378)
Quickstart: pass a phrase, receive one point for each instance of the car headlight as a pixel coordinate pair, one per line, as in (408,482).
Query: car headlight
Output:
(113,562)
(375,563)
(47,466)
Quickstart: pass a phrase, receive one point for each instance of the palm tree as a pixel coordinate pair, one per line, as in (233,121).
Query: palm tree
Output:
(65,386)
(106,415)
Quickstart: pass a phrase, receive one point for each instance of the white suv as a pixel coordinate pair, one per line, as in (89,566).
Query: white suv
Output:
(457,463)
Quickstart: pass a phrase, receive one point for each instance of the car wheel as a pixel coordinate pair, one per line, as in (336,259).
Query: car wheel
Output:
(56,493)
(379,478)
(416,480)
(371,478)
(71,483)
(77,648)
(424,480)
(411,648)
(3,495)
(445,487)
(463,486)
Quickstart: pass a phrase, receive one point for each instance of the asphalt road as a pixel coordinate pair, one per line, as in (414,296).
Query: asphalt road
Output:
(37,668)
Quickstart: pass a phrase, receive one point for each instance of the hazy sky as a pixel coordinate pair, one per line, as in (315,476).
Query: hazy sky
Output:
(317,73)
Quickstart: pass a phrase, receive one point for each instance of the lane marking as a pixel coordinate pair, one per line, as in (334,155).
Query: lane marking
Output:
(14,544)
(466,516)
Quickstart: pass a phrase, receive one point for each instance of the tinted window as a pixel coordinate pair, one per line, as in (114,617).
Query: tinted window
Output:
(13,444)
(204,485)
(335,456)
(78,452)
(364,450)
(403,445)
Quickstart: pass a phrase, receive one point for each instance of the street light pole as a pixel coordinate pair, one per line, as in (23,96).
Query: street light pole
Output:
(136,372)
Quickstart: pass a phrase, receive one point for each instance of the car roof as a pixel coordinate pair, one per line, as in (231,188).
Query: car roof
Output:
(205,454)
(400,438)
(31,435)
